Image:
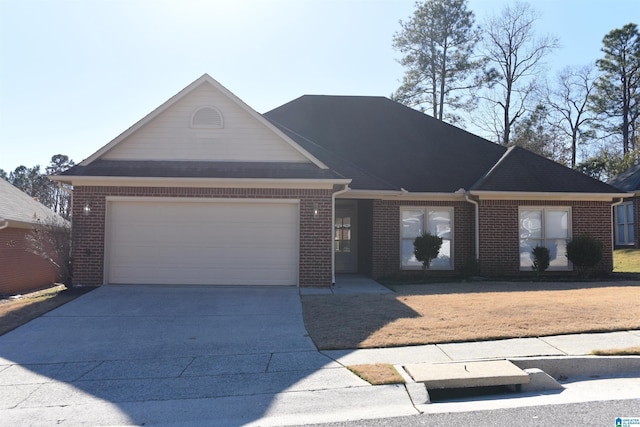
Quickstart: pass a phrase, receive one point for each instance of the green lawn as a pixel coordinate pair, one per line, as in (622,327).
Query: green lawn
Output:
(626,261)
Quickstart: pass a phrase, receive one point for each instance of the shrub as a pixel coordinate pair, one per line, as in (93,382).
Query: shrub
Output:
(426,249)
(584,251)
(51,240)
(541,258)
(470,269)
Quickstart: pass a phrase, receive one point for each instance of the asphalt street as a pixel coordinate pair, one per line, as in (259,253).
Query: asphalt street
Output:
(600,414)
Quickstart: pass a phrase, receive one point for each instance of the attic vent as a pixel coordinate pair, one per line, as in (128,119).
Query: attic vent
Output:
(207,117)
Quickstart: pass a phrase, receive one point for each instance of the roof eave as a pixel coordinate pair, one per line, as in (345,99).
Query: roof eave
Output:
(399,195)
(127,181)
(524,195)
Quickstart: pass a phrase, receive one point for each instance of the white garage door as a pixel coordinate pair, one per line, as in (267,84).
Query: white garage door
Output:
(220,242)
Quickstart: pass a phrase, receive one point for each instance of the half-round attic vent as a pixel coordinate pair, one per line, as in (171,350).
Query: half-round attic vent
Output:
(207,117)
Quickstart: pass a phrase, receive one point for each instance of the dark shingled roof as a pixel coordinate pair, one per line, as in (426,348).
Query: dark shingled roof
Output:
(522,170)
(397,144)
(413,151)
(360,179)
(628,180)
(201,169)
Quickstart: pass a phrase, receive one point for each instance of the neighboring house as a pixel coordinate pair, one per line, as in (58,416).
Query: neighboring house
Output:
(626,215)
(20,269)
(204,190)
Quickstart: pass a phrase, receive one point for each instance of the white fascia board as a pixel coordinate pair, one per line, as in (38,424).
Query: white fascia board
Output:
(12,223)
(177,97)
(125,181)
(398,195)
(518,195)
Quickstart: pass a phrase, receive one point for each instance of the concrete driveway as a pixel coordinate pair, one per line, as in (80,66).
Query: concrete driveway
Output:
(158,355)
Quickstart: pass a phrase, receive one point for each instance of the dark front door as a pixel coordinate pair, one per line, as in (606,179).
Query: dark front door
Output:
(345,237)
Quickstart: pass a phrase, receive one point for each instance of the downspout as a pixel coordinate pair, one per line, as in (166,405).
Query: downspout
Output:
(333,221)
(477,224)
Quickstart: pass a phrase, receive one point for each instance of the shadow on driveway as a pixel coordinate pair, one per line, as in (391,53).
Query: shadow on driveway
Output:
(162,355)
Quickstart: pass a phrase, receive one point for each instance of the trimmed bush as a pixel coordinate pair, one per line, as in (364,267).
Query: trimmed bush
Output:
(541,258)
(426,248)
(585,252)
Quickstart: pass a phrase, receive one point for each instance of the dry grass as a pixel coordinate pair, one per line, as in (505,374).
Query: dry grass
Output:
(18,311)
(626,261)
(377,374)
(631,351)
(454,312)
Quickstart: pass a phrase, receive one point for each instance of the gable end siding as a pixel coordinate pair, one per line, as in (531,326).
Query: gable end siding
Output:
(170,136)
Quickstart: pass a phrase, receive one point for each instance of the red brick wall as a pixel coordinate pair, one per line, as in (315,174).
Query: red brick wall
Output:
(315,233)
(20,270)
(386,234)
(499,232)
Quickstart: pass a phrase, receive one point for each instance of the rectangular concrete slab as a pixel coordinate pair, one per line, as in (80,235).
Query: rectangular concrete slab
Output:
(581,344)
(501,349)
(467,374)
(300,360)
(396,356)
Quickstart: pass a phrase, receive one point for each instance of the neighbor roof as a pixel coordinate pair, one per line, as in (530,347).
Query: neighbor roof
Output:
(628,180)
(412,151)
(19,207)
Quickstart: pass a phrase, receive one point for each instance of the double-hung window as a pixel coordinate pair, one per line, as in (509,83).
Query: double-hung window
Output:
(417,220)
(545,226)
(624,224)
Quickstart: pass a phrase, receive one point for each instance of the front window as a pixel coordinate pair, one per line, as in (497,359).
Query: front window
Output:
(415,222)
(624,224)
(549,227)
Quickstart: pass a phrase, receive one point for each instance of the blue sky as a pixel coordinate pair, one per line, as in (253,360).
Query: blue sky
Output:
(74,74)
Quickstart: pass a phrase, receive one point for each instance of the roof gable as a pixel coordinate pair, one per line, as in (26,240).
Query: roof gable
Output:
(19,207)
(394,143)
(628,180)
(523,171)
(203,122)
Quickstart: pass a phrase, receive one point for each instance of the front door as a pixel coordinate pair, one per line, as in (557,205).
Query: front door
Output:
(344,237)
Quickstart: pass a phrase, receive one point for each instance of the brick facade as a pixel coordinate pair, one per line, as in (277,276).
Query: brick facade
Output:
(499,232)
(386,234)
(20,270)
(315,249)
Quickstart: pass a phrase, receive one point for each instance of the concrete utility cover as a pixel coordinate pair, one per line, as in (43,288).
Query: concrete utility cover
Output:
(467,374)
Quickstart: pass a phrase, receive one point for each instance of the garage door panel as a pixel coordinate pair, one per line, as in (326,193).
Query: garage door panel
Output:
(203,243)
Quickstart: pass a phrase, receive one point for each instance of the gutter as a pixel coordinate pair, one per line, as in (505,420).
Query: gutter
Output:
(333,221)
(5,225)
(467,197)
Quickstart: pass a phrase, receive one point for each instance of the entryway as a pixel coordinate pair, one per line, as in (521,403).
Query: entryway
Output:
(345,236)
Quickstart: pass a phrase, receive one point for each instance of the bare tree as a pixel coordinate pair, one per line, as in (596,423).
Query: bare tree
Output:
(569,100)
(51,240)
(510,46)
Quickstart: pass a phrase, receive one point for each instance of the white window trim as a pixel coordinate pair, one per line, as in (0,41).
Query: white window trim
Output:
(626,224)
(426,209)
(544,209)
